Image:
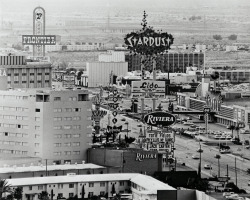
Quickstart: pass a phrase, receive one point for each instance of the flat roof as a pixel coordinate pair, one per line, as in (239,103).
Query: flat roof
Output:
(49,168)
(150,184)
(245,102)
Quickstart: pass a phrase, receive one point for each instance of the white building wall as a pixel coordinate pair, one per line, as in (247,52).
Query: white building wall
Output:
(112,56)
(99,72)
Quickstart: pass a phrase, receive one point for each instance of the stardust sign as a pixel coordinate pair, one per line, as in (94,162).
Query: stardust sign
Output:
(39,39)
(159,119)
(148,42)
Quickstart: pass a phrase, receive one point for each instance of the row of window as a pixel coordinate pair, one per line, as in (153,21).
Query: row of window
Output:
(31,70)
(72,185)
(67,127)
(7,151)
(66,153)
(67,109)
(5,125)
(12,143)
(75,135)
(70,99)
(75,118)
(14,117)
(13,97)
(9,108)
(67,144)
(10,134)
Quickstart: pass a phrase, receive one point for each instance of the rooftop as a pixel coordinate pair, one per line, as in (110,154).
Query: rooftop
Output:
(15,169)
(150,184)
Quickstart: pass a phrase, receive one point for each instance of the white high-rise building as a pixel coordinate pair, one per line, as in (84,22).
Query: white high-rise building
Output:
(112,56)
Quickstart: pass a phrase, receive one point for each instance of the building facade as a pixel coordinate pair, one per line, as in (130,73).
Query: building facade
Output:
(170,62)
(112,56)
(52,125)
(85,186)
(101,73)
(23,73)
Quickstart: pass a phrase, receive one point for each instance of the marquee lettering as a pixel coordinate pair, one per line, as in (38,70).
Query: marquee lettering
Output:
(3,72)
(140,157)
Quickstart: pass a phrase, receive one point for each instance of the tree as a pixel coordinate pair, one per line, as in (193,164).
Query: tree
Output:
(217,37)
(232,37)
(232,127)
(43,195)
(218,157)
(18,193)
(4,187)
(113,189)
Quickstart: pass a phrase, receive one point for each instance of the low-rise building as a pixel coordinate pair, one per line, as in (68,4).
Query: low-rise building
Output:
(138,185)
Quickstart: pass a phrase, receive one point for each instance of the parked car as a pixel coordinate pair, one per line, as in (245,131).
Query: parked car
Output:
(195,156)
(207,166)
(189,118)
(188,123)
(217,137)
(225,151)
(232,197)
(193,126)
(227,194)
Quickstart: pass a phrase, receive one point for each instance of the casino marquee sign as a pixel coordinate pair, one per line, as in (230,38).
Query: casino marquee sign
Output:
(148,42)
(162,119)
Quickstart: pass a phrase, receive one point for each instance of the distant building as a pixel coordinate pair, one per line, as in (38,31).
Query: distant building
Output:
(26,73)
(41,170)
(112,56)
(170,62)
(102,73)
(53,125)
(231,48)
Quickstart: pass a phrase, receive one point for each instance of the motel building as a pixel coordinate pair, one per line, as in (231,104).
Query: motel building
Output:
(84,186)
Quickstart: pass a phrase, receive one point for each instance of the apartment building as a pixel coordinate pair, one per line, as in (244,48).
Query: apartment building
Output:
(53,125)
(138,185)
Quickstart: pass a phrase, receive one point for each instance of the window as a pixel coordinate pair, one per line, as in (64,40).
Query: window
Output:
(37,110)
(68,109)
(57,127)
(67,135)
(77,109)
(76,135)
(57,110)
(57,136)
(18,126)
(102,184)
(67,127)
(67,152)
(57,119)
(91,184)
(71,194)
(102,193)
(60,186)
(121,183)
(78,127)
(76,118)
(76,144)
(91,194)
(76,152)
(57,144)
(72,99)
(67,144)
(40,187)
(6,133)
(71,185)
(30,187)
(67,118)
(36,144)
(57,98)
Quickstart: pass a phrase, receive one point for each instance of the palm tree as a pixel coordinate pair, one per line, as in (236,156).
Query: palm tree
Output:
(218,157)
(232,127)
(4,187)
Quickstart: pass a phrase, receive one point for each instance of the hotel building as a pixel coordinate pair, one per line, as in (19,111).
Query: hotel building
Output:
(53,125)
(26,73)
(169,62)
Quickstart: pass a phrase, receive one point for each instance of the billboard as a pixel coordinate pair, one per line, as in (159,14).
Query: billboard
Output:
(68,80)
(148,89)
(38,39)
(159,119)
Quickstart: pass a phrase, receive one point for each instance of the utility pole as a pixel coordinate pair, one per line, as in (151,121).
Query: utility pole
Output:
(46,167)
(235,172)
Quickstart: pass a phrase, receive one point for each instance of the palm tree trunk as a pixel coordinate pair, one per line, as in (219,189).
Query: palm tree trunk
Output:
(218,167)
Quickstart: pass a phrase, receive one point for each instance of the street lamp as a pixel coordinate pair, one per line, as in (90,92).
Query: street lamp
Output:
(127,127)
(200,151)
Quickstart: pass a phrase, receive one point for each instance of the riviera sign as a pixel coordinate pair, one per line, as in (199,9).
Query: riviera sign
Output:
(140,157)
(159,119)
